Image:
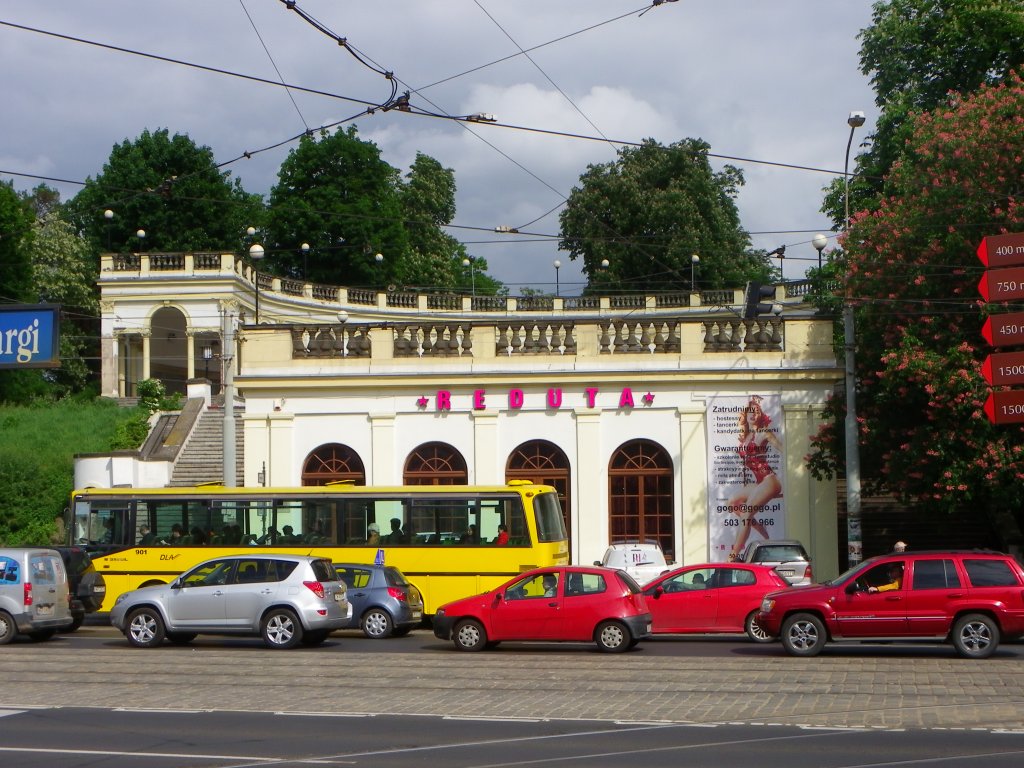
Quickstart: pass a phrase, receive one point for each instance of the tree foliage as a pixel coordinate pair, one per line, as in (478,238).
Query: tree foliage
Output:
(649,211)
(911,265)
(916,52)
(171,189)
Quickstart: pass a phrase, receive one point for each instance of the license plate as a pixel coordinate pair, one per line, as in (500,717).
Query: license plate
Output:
(44,610)
(417,615)
(98,589)
(787,572)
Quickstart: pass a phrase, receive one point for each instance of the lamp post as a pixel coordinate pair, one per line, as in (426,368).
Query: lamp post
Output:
(472,274)
(109,216)
(207,356)
(853,531)
(694,261)
(256,253)
(819,241)
(558,266)
(379,258)
(141,235)
(305,261)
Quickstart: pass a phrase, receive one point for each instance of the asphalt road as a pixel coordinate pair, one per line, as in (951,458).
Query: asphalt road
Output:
(90,699)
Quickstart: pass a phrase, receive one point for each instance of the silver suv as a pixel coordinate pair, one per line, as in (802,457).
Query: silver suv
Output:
(787,556)
(285,599)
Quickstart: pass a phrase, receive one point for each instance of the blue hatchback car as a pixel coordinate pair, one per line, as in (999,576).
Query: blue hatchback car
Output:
(384,603)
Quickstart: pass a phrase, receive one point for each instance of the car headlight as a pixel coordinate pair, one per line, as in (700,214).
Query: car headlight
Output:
(120,597)
(767,604)
(440,612)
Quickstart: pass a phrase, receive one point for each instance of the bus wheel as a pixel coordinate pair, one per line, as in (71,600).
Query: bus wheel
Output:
(8,629)
(281,629)
(612,637)
(145,628)
(469,635)
(377,624)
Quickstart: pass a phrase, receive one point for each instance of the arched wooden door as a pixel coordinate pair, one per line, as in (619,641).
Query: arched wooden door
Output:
(545,463)
(333,463)
(435,464)
(641,497)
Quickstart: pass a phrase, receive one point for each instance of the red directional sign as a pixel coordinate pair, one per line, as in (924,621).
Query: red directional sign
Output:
(1002,284)
(1002,250)
(1004,369)
(1004,330)
(1005,407)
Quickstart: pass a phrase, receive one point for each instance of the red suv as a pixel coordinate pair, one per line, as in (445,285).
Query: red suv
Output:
(968,598)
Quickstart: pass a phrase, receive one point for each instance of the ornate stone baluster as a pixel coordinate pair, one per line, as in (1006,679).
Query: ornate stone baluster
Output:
(605,342)
(299,343)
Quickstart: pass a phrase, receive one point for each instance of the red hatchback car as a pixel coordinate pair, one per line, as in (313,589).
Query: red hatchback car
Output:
(570,603)
(719,597)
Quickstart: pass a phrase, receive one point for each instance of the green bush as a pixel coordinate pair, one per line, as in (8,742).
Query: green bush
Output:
(37,448)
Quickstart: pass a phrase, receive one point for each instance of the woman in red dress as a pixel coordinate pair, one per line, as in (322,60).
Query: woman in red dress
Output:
(754,438)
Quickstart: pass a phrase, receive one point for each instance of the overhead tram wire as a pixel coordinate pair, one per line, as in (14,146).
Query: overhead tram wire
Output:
(273,63)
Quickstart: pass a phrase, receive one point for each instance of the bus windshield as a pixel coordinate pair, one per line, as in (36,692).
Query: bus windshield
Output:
(450,541)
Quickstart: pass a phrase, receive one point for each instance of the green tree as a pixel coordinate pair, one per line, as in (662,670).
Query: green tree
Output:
(435,259)
(648,212)
(911,267)
(170,188)
(63,273)
(916,52)
(335,193)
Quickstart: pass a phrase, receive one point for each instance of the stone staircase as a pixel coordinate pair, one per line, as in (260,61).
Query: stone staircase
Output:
(202,458)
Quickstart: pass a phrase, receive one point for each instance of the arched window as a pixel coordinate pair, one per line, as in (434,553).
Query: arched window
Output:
(332,463)
(641,495)
(435,464)
(544,463)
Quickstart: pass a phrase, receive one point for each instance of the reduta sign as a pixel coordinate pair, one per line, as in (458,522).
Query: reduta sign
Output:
(29,336)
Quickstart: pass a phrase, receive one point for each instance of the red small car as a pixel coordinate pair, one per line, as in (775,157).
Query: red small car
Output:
(568,603)
(712,598)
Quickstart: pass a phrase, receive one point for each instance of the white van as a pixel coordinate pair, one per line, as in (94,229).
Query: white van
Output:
(34,596)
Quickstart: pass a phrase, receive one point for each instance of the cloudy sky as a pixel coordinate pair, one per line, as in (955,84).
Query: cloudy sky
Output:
(765,82)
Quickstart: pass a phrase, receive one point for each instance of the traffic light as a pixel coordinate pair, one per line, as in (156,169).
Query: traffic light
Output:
(753,304)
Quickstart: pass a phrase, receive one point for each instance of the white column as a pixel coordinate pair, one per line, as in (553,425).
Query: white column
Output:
(590,482)
(488,468)
(383,469)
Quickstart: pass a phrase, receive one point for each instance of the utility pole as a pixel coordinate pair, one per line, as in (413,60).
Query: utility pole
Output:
(228,331)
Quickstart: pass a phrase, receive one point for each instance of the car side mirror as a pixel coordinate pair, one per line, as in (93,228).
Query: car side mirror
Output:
(597,562)
(852,588)
(176,584)
(497,600)
(658,592)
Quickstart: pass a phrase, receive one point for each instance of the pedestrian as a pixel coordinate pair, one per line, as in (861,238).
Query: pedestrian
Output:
(900,546)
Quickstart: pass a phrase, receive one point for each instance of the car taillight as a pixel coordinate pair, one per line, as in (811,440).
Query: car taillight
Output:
(28,593)
(396,593)
(316,588)
(808,572)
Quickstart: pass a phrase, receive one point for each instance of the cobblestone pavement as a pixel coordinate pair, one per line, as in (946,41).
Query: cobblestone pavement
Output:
(873,691)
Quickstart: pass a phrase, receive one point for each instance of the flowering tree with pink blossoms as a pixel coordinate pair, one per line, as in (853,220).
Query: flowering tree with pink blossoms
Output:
(911,269)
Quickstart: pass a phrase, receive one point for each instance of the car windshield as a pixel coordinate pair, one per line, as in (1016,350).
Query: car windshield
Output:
(779,554)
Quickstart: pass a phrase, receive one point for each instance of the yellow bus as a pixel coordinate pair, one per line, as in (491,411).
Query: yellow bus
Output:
(449,540)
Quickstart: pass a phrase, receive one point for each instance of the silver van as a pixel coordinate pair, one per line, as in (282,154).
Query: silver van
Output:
(34,596)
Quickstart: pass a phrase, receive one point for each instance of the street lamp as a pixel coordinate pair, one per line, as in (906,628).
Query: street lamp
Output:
(305,260)
(141,234)
(379,258)
(108,215)
(854,537)
(694,261)
(472,273)
(558,266)
(819,241)
(256,253)
(207,356)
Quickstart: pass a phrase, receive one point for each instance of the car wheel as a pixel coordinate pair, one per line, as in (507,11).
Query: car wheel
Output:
(377,624)
(975,636)
(145,628)
(281,629)
(803,635)
(469,635)
(612,637)
(315,638)
(41,634)
(8,629)
(755,631)
(181,638)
